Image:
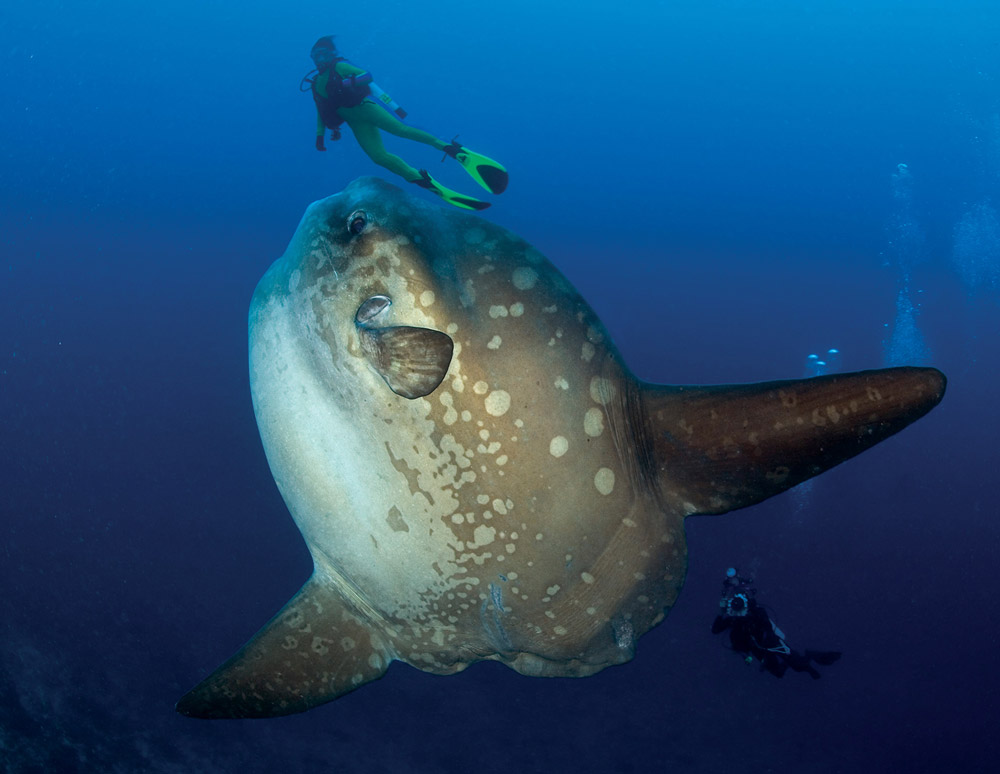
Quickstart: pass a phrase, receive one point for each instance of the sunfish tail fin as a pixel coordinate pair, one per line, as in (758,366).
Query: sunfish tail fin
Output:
(314,650)
(715,449)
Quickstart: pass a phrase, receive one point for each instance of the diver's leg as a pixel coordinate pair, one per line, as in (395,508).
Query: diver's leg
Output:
(800,663)
(384,120)
(371,143)
(490,174)
(823,657)
(773,664)
(368,137)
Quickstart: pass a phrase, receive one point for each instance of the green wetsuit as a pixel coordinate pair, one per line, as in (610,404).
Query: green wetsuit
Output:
(367,119)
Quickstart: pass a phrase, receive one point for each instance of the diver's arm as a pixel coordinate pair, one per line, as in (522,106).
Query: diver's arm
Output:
(348,73)
(720,624)
(320,130)
(345,69)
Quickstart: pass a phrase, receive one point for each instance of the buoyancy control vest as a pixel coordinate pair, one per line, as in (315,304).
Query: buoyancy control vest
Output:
(331,92)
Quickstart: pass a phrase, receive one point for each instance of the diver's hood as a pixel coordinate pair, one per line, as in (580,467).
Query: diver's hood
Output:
(324,50)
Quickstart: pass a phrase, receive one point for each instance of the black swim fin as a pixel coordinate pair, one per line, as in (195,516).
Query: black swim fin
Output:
(452,197)
(823,657)
(490,174)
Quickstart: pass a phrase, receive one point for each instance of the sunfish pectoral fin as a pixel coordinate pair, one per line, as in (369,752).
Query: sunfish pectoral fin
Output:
(311,652)
(412,361)
(714,449)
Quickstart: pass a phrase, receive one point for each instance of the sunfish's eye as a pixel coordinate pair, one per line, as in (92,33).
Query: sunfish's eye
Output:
(371,309)
(357,222)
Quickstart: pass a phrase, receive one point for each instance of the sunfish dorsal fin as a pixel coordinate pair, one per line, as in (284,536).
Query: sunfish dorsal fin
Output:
(412,361)
(715,449)
(311,652)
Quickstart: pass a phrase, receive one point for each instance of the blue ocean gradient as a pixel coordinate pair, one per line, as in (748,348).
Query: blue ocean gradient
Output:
(719,178)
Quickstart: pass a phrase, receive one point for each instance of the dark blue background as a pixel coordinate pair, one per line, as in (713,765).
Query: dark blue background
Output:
(715,176)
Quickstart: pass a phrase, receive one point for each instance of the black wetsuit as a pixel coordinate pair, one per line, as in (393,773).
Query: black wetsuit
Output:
(755,634)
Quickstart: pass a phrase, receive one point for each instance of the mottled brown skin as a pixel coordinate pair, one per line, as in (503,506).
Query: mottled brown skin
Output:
(475,471)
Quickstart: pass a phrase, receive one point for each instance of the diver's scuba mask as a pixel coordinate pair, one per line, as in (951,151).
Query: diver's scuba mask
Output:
(324,52)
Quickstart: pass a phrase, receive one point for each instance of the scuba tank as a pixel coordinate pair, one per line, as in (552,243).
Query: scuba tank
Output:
(385,100)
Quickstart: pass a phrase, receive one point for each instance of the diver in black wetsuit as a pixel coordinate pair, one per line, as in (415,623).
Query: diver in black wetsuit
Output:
(753,633)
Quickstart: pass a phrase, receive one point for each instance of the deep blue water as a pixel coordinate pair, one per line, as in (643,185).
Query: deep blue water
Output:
(720,180)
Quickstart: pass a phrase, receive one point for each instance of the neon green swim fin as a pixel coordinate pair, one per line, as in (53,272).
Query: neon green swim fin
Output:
(452,197)
(490,174)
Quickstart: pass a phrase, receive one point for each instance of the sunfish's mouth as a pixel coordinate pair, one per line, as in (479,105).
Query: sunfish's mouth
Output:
(412,361)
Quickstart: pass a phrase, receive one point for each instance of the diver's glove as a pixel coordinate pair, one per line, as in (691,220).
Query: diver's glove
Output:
(335,133)
(319,143)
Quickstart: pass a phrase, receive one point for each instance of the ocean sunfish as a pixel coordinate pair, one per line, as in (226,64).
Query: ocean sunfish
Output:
(475,471)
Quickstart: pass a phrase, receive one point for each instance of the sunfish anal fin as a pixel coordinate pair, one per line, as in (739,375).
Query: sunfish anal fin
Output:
(412,361)
(314,650)
(714,449)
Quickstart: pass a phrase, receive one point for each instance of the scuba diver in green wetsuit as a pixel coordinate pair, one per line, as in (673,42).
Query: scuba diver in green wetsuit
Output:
(345,94)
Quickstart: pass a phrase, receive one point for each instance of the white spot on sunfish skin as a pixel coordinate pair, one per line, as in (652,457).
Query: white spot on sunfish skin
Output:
(484,535)
(494,343)
(602,390)
(593,422)
(516,310)
(558,446)
(497,403)
(587,351)
(587,577)
(427,298)
(480,388)
(467,295)
(498,311)
(524,278)
(605,481)
(533,255)
(293,281)
(561,383)
(450,414)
